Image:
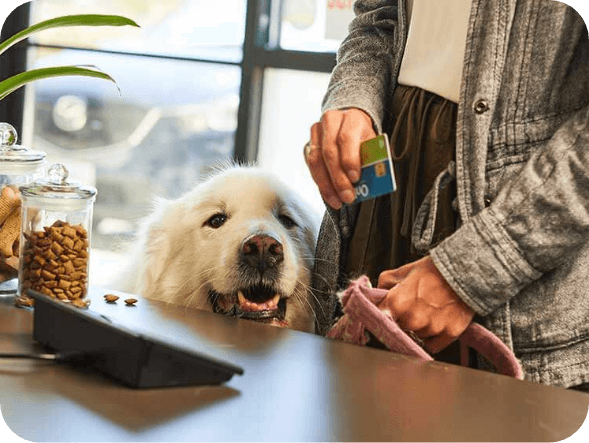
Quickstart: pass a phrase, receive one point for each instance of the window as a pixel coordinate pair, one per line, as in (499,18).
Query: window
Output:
(295,57)
(194,29)
(292,103)
(201,81)
(176,113)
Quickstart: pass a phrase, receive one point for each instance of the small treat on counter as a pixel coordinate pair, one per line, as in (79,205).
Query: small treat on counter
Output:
(24,301)
(79,303)
(131,301)
(111,298)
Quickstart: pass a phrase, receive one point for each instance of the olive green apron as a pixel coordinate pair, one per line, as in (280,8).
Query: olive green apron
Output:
(423,139)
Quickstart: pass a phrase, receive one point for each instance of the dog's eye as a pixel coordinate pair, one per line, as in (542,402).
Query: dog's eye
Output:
(216,221)
(286,221)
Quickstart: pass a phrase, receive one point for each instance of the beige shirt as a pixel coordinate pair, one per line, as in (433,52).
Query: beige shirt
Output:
(436,41)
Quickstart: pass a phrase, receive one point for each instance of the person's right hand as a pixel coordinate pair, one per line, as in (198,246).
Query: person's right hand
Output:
(334,157)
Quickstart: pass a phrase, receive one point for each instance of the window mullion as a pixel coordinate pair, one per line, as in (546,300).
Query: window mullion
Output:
(261,50)
(252,78)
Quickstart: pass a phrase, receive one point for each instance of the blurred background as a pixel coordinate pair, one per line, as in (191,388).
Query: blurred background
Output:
(200,82)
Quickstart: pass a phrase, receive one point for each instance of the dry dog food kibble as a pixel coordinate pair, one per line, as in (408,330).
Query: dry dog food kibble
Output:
(24,302)
(55,262)
(111,298)
(80,303)
(130,301)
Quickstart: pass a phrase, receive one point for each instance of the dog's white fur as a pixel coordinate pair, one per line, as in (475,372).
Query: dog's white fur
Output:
(180,258)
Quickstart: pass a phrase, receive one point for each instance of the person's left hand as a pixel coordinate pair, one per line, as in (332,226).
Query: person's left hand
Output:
(420,300)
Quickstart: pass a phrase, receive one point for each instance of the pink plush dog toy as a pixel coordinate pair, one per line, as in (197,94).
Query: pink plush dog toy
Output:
(361,314)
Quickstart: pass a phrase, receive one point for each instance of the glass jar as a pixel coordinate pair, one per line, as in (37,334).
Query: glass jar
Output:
(55,237)
(18,166)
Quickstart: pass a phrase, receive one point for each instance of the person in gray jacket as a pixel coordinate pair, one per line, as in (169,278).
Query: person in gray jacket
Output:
(487,106)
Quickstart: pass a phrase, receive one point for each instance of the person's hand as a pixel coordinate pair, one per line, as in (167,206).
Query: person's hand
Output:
(420,300)
(333,153)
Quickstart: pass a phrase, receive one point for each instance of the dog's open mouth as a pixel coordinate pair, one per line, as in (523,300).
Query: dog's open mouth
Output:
(259,303)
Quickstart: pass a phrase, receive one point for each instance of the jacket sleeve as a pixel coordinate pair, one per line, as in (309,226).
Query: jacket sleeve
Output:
(534,224)
(365,60)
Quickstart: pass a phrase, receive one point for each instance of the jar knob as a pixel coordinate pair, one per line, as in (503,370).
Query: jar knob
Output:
(58,174)
(8,136)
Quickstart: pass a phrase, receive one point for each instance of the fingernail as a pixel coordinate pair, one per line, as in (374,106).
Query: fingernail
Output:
(334,203)
(353,176)
(348,196)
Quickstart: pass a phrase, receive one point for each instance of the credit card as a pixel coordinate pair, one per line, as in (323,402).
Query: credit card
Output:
(377,175)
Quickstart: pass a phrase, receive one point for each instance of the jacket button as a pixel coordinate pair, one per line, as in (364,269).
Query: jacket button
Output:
(481,106)
(345,231)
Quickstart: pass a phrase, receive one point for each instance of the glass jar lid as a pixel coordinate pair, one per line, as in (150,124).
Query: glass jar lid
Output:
(11,152)
(56,186)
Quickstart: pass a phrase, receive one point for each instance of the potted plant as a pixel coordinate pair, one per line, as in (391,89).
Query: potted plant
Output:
(11,84)
(9,199)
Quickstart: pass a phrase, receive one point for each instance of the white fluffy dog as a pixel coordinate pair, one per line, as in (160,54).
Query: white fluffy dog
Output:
(240,243)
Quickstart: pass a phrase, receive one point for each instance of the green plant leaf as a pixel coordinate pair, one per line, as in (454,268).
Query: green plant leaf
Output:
(68,20)
(16,81)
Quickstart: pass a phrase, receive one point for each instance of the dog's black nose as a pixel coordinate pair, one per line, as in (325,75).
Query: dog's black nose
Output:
(262,251)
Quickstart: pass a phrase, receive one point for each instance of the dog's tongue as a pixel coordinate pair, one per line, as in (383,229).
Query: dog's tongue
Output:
(249,306)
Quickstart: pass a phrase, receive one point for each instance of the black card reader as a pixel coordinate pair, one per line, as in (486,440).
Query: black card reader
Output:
(134,359)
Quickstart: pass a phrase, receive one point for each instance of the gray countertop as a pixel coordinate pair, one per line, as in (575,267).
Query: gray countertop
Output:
(296,387)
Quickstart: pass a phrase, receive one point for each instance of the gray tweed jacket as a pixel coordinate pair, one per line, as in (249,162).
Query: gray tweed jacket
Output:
(520,257)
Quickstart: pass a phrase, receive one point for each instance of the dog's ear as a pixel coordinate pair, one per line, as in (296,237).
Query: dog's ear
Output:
(156,246)
(157,254)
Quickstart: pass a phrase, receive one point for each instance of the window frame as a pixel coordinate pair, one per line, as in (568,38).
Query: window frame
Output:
(260,51)
(12,62)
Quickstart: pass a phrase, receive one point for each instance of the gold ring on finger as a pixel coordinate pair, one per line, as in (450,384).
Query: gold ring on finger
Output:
(308,148)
